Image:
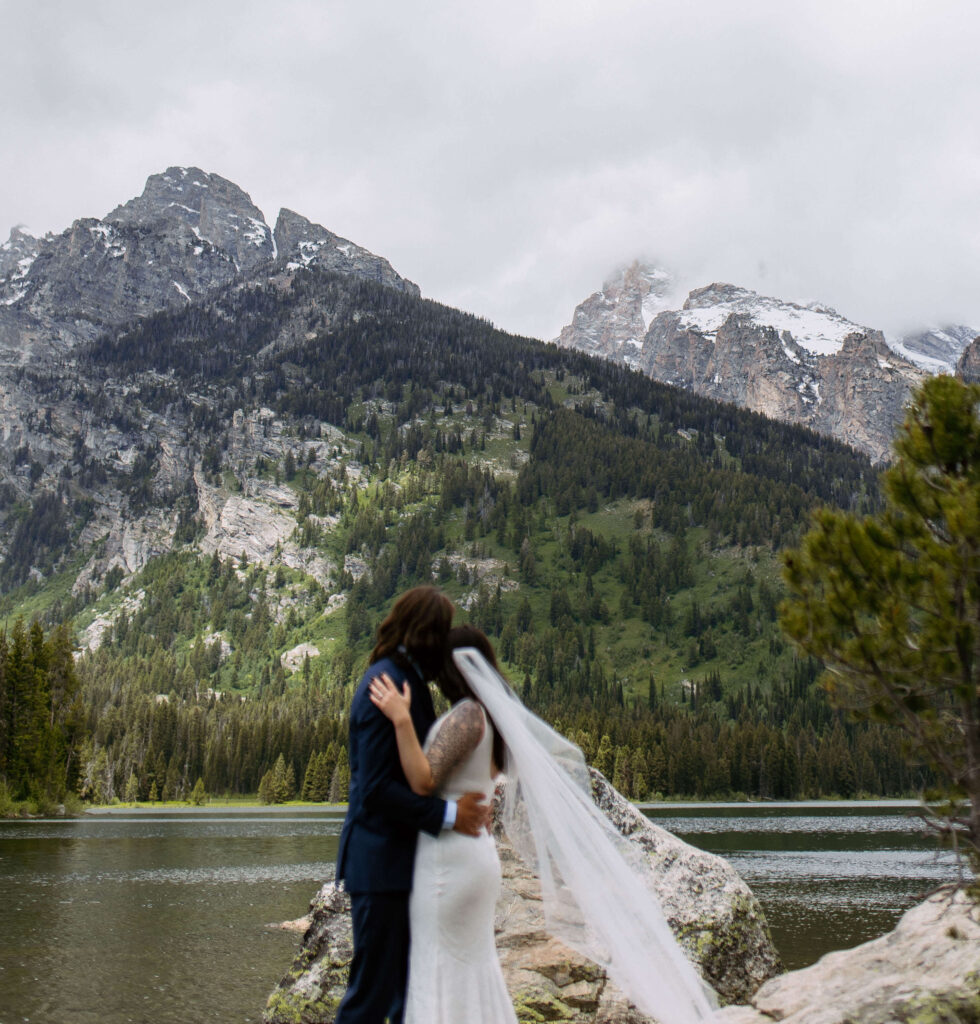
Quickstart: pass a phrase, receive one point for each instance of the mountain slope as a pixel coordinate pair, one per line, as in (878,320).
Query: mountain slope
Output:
(936,349)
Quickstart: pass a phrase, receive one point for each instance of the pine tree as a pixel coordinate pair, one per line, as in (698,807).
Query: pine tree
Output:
(340,783)
(622,779)
(283,784)
(266,794)
(605,758)
(891,603)
(309,784)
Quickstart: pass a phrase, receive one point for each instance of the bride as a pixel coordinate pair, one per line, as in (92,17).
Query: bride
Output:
(593,890)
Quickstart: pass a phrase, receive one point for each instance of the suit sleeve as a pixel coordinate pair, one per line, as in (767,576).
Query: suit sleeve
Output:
(385,790)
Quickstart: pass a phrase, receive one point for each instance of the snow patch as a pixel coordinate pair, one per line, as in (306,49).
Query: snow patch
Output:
(257,233)
(109,238)
(181,290)
(924,362)
(818,329)
(791,355)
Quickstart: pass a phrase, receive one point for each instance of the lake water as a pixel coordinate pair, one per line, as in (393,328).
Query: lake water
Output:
(164,918)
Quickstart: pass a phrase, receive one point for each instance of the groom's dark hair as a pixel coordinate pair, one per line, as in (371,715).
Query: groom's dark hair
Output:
(419,621)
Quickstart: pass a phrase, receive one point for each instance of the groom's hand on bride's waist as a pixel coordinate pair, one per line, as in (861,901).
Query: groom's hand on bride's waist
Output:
(472,814)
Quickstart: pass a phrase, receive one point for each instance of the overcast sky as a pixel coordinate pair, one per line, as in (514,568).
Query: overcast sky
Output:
(508,156)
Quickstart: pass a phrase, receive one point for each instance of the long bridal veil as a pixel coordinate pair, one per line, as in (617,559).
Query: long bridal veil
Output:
(593,890)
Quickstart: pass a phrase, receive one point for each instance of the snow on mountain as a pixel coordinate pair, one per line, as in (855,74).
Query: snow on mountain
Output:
(935,349)
(806,364)
(17,256)
(815,327)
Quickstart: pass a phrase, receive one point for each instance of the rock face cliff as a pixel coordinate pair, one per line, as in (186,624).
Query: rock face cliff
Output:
(187,234)
(968,366)
(711,910)
(804,364)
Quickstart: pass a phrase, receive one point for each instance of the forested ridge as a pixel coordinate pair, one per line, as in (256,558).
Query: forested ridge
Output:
(616,537)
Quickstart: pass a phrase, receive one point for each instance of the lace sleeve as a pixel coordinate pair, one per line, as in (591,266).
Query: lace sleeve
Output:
(456,739)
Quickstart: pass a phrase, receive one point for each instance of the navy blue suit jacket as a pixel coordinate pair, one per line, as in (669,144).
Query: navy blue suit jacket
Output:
(384,816)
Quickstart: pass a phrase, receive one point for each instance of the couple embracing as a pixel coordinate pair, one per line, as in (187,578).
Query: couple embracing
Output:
(418,860)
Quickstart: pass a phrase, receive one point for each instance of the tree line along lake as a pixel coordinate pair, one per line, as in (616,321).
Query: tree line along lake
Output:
(118,917)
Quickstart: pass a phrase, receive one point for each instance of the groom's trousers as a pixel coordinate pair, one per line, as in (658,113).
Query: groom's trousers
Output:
(379,970)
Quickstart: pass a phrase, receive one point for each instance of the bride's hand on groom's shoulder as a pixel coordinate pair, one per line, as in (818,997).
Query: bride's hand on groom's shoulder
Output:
(386,698)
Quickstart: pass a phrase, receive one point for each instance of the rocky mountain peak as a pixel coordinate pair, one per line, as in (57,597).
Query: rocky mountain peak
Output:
(188,233)
(713,294)
(214,210)
(17,255)
(301,243)
(613,321)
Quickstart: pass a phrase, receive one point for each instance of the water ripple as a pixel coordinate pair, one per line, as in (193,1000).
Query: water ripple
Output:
(249,874)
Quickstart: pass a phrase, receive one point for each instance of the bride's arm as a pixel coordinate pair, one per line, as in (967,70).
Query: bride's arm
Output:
(458,736)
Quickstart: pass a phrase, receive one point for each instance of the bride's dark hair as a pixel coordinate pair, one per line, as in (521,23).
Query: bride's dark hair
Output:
(453,684)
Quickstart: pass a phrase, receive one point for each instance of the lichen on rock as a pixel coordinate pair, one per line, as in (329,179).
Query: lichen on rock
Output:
(925,971)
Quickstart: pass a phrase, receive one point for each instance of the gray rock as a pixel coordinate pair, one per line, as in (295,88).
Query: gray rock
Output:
(301,243)
(710,909)
(613,322)
(968,366)
(187,234)
(926,970)
(17,255)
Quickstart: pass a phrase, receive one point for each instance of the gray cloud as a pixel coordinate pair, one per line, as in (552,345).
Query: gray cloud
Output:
(508,157)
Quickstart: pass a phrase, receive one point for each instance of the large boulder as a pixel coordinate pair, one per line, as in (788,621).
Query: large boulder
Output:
(711,910)
(926,971)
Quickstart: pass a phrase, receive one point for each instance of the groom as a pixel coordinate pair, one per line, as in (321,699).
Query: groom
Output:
(384,816)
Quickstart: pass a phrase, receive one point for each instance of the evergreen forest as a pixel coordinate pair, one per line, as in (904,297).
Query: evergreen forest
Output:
(618,539)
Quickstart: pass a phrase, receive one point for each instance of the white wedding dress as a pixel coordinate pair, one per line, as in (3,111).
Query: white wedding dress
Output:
(454,973)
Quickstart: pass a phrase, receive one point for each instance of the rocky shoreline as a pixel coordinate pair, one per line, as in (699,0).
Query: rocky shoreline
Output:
(711,910)
(926,970)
